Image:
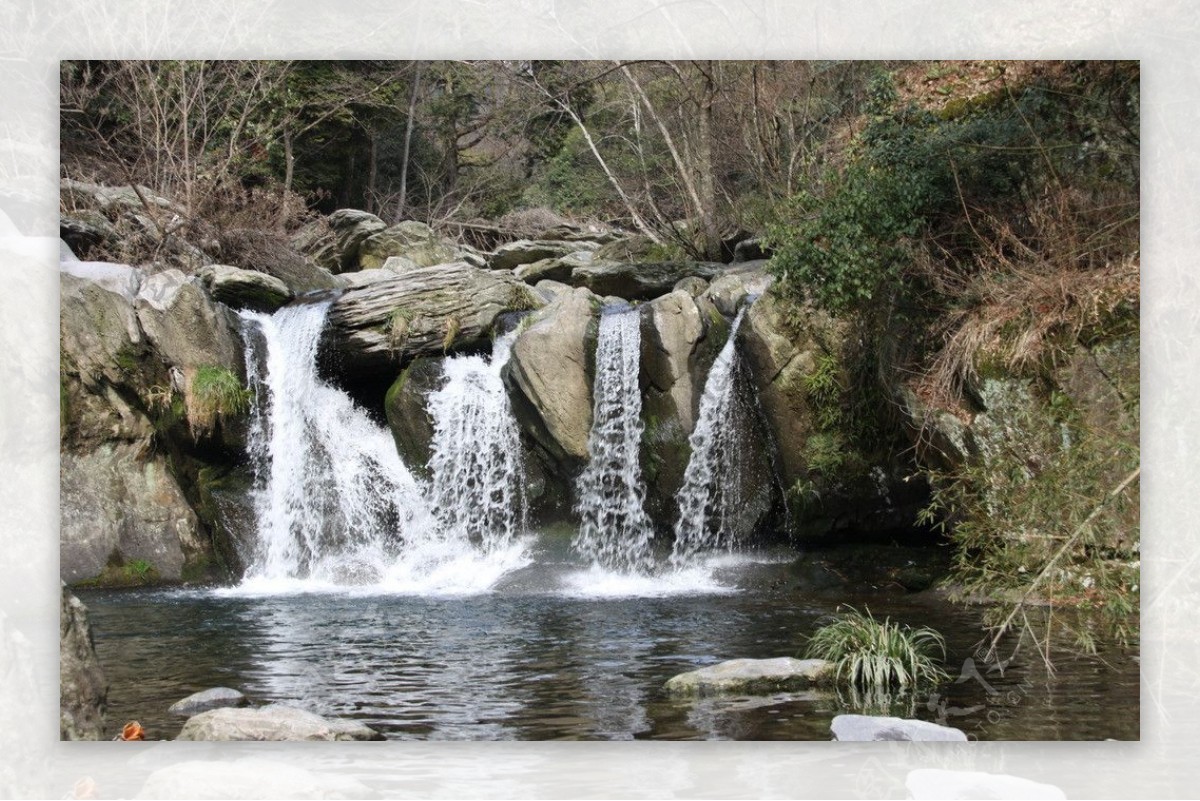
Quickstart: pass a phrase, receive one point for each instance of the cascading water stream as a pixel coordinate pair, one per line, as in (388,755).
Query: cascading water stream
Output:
(710,502)
(334,502)
(614,530)
(478,480)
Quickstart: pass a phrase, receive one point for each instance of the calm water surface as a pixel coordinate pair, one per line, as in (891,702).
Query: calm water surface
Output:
(544,655)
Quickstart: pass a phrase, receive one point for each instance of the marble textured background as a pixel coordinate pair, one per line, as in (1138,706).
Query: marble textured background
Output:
(1165,35)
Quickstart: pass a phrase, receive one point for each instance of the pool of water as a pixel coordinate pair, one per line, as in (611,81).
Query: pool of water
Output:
(553,651)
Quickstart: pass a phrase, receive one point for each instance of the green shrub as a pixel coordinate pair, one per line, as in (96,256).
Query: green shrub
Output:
(872,655)
(1048,512)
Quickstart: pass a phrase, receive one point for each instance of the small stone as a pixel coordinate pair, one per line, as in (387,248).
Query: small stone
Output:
(203,701)
(751,676)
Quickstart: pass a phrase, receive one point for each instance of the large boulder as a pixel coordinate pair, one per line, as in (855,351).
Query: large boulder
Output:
(275,723)
(832,485)
(752,677)
(548,377)
(185,327)
(83,690)
(553,269)
(123,517)
(674,361)
(639,281)
(335,244)
(731,288)
(407,410)
(525,251)
(410,239)
(869,728)
(245,289)
(270,253)
(429,311)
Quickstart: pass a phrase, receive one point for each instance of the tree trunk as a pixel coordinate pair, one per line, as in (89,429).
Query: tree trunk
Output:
(408,130)
(711,242)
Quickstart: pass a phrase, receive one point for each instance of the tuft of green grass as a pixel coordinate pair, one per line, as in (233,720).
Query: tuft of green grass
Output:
(215,393)
(871,655)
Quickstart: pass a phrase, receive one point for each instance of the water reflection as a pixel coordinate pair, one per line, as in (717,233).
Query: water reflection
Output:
(532,660)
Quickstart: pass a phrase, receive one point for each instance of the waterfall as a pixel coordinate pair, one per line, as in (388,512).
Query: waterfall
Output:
(478,479)
(334,502)
(710,500)
(614,530)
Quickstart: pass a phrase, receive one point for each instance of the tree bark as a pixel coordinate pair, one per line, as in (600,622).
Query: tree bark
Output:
(408,131)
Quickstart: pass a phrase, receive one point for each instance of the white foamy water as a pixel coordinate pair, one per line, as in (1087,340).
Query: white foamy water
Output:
(614,530)
(478,478)
(710,501)
(336,507)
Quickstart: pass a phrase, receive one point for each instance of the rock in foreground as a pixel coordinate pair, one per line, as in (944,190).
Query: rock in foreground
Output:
(275,723)
(83,689)
(869,728)
(203,701)
(752,676)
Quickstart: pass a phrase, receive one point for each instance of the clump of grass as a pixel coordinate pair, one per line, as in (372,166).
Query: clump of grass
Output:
(399,324)
(870,655)
(453,328)
(214,393)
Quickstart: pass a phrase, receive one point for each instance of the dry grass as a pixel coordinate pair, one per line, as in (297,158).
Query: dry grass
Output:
(1038,284)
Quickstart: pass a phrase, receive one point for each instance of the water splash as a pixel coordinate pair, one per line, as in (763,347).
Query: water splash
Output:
(335,506)
(478,488)
(614,530)
(334,500)
(710,500)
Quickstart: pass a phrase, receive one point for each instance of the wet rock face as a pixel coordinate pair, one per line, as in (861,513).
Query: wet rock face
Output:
(548,376)
(83,690)
(407,410)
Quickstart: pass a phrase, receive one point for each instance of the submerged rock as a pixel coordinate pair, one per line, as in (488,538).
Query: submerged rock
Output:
(752,677)
(203,701)
(276,723)
(83,689)
(868,728)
